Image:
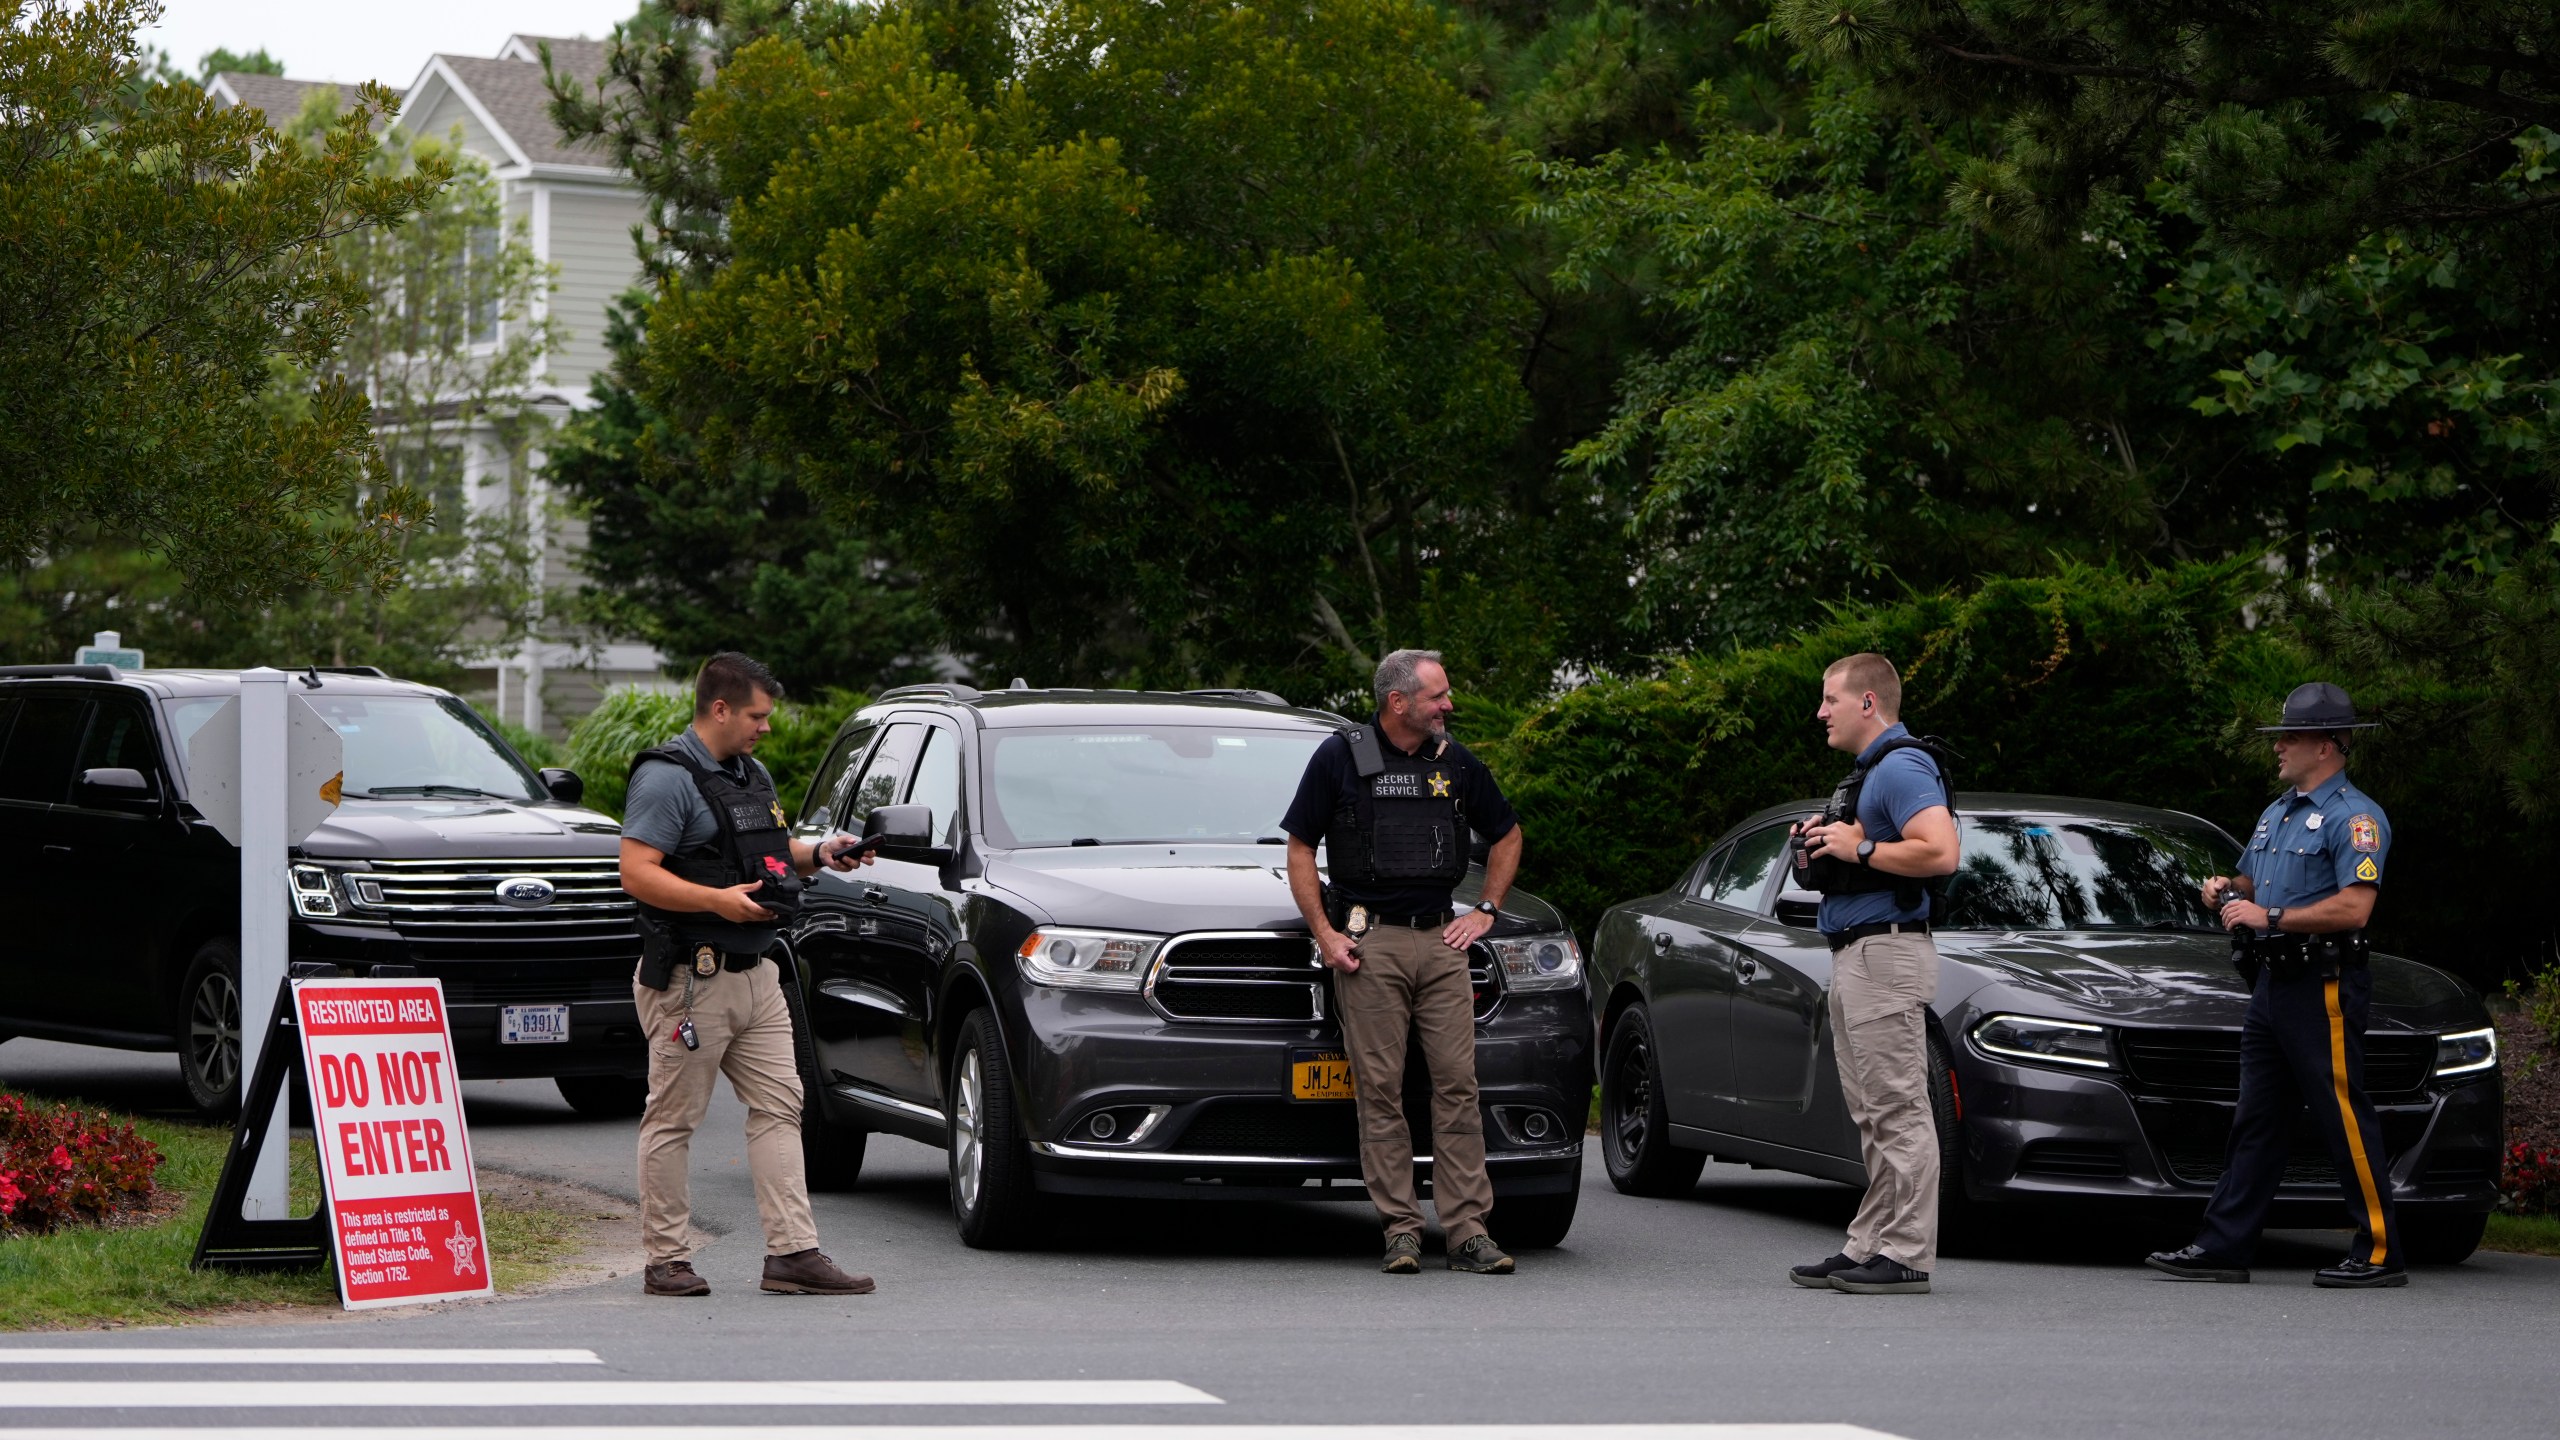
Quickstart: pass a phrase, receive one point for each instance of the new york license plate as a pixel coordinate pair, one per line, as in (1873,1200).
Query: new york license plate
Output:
(533,1025)
(1320,1075)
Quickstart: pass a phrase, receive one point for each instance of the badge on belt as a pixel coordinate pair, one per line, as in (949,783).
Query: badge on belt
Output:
(1359,924)
(706,961)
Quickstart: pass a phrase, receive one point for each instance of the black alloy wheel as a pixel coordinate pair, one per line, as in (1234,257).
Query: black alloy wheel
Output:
(1960,1226)
(831,1155)
(991,1194)
(209,1031)
(604,1097)
(1635,1124)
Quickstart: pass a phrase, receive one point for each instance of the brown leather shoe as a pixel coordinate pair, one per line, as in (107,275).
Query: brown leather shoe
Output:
(676,1277)
(810,1272)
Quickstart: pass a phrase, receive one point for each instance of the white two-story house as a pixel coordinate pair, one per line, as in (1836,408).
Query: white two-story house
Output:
(576,210)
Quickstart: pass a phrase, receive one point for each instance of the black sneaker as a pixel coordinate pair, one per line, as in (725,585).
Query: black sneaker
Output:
(1883,1275)
(2197,1263)
(1817,1276)
(2354,1274)
(1404,1255)
(1480,1256)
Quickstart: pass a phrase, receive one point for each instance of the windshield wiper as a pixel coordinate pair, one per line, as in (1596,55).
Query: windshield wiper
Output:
(383,792)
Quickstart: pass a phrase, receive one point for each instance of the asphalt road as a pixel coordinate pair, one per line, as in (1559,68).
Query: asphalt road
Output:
(1654,1312)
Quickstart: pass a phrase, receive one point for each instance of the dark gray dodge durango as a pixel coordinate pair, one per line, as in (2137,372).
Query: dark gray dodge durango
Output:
(1077,967)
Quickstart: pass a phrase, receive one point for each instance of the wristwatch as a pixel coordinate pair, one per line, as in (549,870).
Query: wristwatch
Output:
(2275,919)
(1487,907)
(1866,852)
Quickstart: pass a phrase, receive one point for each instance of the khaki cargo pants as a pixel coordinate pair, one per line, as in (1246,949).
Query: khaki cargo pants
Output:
(744,1026)
(1408,978)
(1880,992)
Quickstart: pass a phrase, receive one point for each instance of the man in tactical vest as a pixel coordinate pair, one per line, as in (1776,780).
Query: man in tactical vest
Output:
(2298,907)
(1393,801)
(1889,832)
(706,855)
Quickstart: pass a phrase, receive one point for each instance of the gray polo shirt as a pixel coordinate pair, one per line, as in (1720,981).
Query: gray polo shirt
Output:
(665,809)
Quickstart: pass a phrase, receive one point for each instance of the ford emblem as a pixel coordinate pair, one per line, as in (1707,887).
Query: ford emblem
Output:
(526,893)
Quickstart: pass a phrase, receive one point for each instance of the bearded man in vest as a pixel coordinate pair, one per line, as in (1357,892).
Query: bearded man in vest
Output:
(1393,801)
(706,854)
(1889,832)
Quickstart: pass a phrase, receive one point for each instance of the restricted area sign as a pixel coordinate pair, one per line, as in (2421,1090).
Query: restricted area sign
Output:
(386,1112)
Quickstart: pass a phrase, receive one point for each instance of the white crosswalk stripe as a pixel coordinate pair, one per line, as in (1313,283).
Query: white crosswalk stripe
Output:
(1745,1431)
(303,1355)
(19,1395)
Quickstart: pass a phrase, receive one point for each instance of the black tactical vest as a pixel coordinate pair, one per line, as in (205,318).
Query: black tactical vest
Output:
(752,844)
(1834,876)
(1403,823)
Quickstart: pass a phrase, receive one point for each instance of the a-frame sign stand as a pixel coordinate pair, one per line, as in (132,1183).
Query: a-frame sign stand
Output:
(231,1241)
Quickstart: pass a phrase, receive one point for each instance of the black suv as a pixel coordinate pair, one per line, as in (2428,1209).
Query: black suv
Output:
(449,856)
(1077,967)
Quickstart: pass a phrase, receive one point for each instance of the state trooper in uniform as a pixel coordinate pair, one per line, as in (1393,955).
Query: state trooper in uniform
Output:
(1393,801)
(2297,911)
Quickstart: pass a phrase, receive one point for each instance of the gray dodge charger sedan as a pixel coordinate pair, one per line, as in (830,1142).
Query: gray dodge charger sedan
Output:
(2086,1033)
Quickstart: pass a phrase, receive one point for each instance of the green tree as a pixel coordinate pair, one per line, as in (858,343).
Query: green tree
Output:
(222,61)
(162,254)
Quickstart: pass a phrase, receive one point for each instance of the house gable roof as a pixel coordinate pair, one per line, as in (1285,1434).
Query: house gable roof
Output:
(507,94)
(281,98)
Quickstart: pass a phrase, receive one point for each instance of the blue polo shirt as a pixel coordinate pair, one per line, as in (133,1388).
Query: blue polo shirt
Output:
(1900,786)
(2310,845)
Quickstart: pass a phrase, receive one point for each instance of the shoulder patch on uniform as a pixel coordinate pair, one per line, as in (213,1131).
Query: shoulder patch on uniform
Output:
(2364,834)
(2365,869)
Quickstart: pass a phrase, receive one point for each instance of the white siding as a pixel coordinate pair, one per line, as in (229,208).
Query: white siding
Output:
(436,122)
(591,246)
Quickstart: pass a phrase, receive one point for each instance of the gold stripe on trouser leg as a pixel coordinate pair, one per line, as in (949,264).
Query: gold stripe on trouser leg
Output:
(2347,1117)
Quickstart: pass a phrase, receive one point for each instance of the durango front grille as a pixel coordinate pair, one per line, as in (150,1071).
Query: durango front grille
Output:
(2206,1063)
(449,910)
(1266,977)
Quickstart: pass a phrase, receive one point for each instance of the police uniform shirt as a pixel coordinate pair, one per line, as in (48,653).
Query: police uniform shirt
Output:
(665,811)
(2308,847)
(1332,781)
(1900,786)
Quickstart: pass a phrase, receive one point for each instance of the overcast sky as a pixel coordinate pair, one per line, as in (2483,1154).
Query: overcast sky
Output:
(356,40)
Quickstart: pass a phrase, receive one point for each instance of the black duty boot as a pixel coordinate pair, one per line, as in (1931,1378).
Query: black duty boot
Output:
(1817,1276)
(1883,1275)
(2197,1263)
(2354,1274)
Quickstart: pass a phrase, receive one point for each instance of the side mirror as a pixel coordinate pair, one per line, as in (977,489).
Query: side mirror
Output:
(116,785)
(564,785)
(1798,907)
(1478,848)
(900,827)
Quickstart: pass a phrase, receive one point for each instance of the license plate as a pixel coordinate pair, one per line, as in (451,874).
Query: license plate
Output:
(533,1025)
(1320,1075)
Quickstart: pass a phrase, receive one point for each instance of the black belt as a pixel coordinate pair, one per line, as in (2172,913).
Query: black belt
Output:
(1843,939)
(1340,915)
(736,961)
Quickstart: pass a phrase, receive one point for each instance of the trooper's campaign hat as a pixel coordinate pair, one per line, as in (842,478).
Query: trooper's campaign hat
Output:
(2318,706)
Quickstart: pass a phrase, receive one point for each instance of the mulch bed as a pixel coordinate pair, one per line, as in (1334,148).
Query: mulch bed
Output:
(2532,1069)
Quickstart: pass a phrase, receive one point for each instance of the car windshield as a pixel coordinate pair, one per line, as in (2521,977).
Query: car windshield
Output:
(402,747)
(2060,872)
(1115,784)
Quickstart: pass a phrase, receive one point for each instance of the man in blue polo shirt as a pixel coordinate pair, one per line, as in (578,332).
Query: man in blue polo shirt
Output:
(2305,890)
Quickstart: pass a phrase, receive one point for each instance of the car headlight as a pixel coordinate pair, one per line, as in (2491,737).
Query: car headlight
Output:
(1086,959)
(1538,962)
(2045,1042)
(314,897)
(2466,1053)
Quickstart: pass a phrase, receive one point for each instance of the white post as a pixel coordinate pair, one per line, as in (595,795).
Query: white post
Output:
(264,899)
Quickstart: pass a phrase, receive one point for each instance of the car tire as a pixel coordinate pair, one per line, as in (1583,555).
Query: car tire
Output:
(208,1031)
(991,1194)
(604,1097)
(1534,1222)
(2427,1239)
(1635,1124)
(1959,1218)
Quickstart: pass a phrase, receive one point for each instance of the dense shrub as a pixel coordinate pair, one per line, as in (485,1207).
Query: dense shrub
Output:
(59,1166)
(2091,682)
(2530,1182)
(632,719)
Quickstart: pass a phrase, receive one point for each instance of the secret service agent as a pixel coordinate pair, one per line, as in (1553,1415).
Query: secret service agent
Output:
(2299,905)
(706,855)
(1392,802)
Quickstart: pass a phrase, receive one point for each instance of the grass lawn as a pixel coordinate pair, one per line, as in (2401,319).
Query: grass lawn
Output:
(139,1275)
(2523,1234)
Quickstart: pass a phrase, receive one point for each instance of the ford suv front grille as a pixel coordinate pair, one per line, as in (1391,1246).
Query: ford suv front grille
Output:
(453,910)
(1266,977)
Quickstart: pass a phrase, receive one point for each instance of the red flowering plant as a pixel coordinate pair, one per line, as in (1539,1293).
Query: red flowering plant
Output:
(2531,1183)
(58,1166)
